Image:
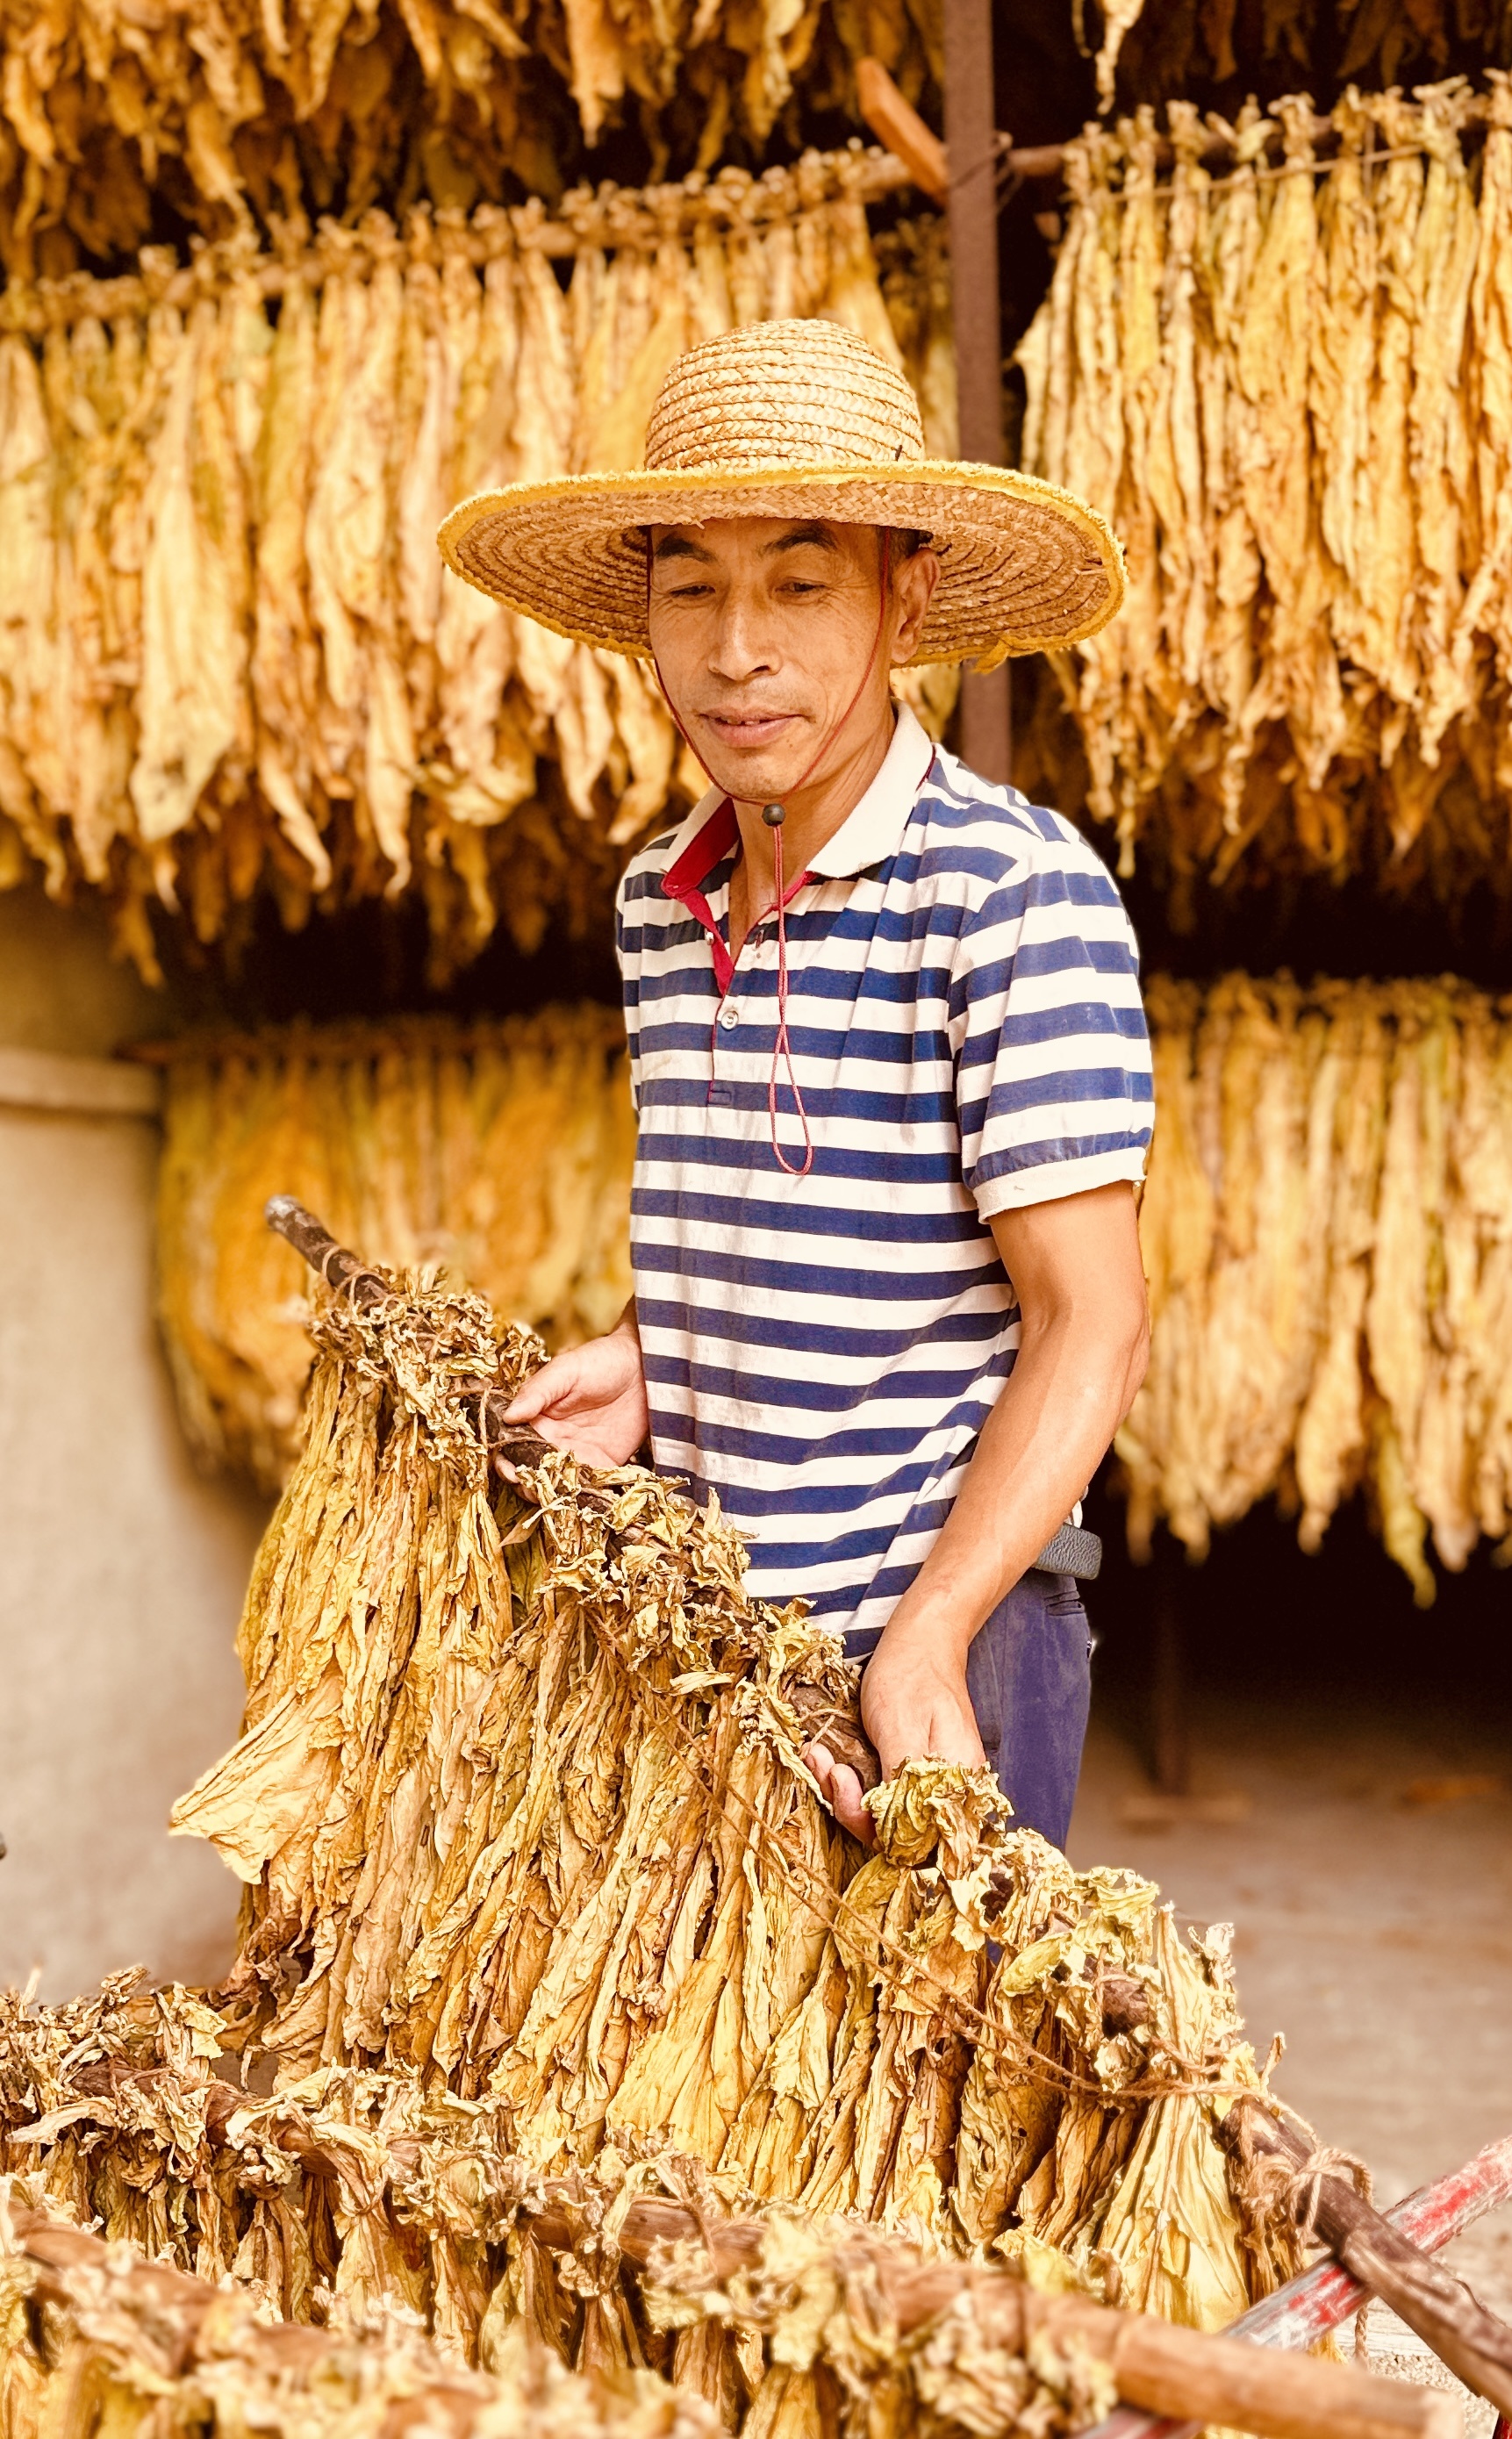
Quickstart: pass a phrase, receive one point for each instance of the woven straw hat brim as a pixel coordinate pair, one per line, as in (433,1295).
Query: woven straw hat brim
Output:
(1024,567)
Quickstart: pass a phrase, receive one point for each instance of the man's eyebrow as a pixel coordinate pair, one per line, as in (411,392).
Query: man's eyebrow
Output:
(816,535)
(677,546)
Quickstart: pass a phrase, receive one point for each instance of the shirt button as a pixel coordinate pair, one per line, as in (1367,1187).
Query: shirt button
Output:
(729,1017)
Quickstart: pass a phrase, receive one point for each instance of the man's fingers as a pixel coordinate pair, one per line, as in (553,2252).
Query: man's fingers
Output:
(541,1390)
(847,1803)
(841,1791)
(820,1765)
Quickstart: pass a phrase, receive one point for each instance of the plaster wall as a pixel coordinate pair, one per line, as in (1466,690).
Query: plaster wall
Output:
(121,1571)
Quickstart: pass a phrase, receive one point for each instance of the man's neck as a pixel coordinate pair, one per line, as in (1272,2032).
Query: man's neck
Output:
(814,815)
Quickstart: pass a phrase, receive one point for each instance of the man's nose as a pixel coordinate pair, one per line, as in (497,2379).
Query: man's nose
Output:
(743,645)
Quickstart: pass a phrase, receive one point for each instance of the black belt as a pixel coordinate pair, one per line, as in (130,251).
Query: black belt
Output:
(1074,1552)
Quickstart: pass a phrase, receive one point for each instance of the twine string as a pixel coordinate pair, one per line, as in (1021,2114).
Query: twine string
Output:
(1273,2188)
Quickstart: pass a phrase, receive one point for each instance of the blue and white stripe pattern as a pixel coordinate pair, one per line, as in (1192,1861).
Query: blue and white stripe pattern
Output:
(967,1031)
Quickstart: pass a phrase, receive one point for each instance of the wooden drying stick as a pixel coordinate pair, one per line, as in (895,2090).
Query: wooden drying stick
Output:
(178,2322)
(483,1401)
(1185,2374)
(1172,2371)
(1475,2345)
(899,127)
(822,1718)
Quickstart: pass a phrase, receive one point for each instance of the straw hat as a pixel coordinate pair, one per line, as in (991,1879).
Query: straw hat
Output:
(795,420)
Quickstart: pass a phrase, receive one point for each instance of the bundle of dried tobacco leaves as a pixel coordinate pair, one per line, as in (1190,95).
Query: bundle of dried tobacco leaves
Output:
(245,677)
(95,2339)
(1326,1241)
(537,1889)
(501,1147)
(1283,383)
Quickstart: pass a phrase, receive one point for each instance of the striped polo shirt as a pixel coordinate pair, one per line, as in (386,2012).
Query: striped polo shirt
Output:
(821,1351)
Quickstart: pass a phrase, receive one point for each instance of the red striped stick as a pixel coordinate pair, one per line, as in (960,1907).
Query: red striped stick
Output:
(1297,2315)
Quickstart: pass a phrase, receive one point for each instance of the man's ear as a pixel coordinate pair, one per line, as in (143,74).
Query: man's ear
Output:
(916,580)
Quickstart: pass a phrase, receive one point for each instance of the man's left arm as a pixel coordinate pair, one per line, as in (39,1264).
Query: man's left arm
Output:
(1083,1342)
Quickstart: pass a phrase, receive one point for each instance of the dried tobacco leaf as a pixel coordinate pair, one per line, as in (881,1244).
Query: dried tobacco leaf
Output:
(244,672)
(1324,1235)
(1278,382)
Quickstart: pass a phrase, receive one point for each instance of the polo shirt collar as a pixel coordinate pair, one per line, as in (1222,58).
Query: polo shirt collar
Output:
(871,831)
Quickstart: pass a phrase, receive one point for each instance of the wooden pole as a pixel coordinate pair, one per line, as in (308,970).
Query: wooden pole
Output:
(1475,2345)
(1169,2370)
(972,148)
(898,125)
(485,1402)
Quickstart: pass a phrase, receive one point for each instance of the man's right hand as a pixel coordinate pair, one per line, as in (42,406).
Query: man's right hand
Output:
(591,1400)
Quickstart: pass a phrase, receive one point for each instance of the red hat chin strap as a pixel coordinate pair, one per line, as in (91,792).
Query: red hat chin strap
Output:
(774,816)
(782,1048)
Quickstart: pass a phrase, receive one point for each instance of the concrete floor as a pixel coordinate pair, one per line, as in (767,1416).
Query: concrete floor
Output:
(1373,1902)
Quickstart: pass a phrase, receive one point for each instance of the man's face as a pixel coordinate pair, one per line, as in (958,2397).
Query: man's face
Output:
(762,631)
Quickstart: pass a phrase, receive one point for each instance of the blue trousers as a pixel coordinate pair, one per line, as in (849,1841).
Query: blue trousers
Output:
(1029,1675)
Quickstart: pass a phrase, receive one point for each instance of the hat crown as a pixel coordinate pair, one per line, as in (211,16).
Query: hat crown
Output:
(808,393)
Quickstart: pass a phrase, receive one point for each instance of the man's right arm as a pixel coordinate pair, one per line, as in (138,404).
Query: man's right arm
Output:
(592,1399)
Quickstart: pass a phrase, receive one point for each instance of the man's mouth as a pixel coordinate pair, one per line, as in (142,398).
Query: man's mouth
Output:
(749,729)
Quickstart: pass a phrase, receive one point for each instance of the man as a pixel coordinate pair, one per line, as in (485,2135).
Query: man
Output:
(886,1043)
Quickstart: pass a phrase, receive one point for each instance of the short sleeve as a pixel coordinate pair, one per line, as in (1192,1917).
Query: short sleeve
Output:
(626,956)
(1053,1071)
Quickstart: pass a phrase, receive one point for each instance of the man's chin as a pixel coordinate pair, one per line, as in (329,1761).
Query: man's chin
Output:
(755,774)
(757,767)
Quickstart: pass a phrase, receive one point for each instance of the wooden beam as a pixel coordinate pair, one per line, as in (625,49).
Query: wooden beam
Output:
(971,147)
(896,123)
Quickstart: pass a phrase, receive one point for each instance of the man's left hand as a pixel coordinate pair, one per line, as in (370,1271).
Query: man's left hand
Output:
(913,1701)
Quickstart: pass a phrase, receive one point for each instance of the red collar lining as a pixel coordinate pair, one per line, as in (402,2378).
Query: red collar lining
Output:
(707,847)
(702,851)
